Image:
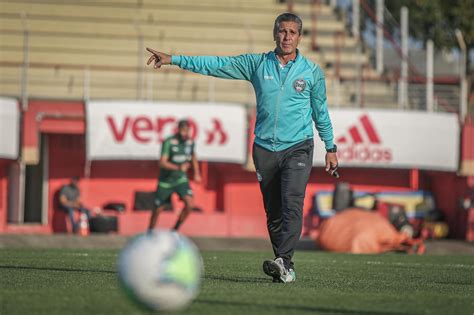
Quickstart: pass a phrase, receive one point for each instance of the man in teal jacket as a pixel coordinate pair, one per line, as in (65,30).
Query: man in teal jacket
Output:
(291,95)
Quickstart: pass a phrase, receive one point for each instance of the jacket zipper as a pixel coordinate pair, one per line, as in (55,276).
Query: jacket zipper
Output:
(277,107)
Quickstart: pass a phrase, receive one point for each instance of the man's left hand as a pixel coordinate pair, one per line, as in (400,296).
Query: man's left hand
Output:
(331,163)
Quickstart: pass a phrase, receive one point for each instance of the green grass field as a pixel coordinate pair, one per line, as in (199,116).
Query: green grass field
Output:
(34,281)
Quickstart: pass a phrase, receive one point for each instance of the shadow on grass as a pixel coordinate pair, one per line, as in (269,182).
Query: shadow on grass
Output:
(239,279)
(293,308)
(54,269)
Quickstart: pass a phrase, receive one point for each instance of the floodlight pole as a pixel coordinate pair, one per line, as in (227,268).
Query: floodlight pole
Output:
(86,84)
(26,62)
(379,36)
(336,87)
(403,82)
(141,60)
(429,75)
(356,34)
(20,169)
(355,18)
(149,86)
(462,75)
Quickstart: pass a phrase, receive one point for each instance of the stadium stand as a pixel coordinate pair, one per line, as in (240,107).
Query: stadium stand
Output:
(95,49)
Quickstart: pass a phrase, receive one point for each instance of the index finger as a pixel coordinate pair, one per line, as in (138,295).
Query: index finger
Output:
(154,52)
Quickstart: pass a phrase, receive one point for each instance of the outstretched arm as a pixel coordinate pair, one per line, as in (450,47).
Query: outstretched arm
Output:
(239,67)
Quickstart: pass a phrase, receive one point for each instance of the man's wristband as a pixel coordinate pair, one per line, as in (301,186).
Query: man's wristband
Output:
(332,150)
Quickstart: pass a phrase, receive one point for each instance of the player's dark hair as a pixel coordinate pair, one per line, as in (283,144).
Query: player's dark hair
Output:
(287,17)
(183,123)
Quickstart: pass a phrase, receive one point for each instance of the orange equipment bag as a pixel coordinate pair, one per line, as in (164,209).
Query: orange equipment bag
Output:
(362,232)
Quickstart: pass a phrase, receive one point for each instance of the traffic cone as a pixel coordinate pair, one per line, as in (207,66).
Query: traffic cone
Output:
(83,225)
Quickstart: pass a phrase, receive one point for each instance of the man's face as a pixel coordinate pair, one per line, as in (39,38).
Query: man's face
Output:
(184,132)
(287,38)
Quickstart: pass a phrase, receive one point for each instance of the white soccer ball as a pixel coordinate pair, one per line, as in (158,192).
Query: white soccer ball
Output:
(161,270)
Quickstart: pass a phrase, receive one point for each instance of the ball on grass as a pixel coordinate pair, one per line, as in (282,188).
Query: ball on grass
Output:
(160,270)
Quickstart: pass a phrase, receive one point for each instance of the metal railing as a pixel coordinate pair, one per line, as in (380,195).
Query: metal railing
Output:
(411,87)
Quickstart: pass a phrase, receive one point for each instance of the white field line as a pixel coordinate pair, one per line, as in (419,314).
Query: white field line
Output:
(381,263)
(405,264)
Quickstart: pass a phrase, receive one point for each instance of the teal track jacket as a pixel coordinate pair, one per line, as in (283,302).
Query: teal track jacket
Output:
(287,103)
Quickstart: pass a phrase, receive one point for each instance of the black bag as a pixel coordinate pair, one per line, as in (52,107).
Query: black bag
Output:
(116,206)
(103,224)
(144,200)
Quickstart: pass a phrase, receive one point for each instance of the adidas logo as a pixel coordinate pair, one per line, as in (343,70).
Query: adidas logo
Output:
(361,143)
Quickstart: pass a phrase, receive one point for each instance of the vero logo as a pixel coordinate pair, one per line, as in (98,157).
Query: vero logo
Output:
(361,143)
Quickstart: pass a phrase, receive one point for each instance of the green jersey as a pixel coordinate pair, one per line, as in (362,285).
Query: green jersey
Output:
(178,152)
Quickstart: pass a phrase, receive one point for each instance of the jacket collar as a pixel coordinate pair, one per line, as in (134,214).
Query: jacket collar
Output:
(297,58)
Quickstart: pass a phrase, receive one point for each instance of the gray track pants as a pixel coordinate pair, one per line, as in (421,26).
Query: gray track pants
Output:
(283,176)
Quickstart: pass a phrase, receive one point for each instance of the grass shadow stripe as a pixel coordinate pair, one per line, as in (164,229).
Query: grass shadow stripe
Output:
(292,308)
(54,269)
(238,279)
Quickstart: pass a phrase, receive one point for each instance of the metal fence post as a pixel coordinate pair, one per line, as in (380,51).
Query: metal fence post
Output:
(355,18)
(336,87)
(429,75)
(87,84)
(379,36)
(26,62)
(211,92)
(149,86)
(403,96)
(140,59)
(462,75)
(356,34)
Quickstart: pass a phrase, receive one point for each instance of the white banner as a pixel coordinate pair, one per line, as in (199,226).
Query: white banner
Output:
(394,139)
(9,128)
(128,130)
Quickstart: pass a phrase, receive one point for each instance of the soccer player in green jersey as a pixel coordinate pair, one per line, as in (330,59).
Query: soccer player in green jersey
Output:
(177,157)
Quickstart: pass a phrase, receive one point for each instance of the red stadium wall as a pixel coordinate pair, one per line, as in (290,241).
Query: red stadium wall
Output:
(117,181)
(467,148)
(229,195)
(448,189)
(3,193)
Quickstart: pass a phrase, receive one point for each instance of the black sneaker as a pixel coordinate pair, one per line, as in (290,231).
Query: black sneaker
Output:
(274,268)
(277,270)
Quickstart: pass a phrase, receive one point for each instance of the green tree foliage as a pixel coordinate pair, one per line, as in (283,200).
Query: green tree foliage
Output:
(437,20)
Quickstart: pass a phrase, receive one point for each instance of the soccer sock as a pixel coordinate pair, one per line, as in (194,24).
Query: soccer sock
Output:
(183,215)
(178,224)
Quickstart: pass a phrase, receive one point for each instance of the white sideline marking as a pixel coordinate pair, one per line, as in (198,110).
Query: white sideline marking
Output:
(419,264)
(375,262)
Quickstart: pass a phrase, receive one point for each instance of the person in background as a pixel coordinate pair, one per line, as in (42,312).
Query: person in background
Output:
(177,157)
(70,200)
